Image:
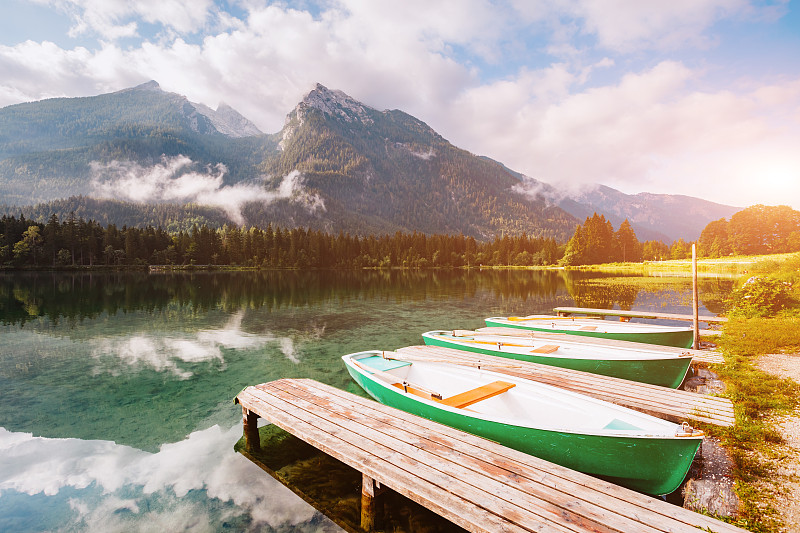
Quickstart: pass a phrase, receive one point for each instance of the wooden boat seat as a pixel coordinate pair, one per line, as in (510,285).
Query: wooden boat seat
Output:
(416,390)
(547,348)
(478,394)
(587,328)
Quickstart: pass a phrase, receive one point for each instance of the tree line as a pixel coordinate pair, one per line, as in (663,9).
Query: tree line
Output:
(755,230)
(74,241)
(81,243)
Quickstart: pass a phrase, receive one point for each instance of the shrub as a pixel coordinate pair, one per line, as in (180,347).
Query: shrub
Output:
(761,296)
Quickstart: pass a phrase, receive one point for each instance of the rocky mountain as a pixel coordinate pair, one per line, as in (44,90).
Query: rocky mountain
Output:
(337,165)
(390,166)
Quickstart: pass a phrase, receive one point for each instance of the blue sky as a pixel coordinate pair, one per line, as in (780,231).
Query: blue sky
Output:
(697,97)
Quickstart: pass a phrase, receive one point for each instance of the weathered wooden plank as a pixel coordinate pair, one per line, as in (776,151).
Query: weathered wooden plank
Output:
(515,468)
(564,311)
(425,493)
(702,356)
(469,465)
(420,454)
(671,404)
(473,468)
(408,475)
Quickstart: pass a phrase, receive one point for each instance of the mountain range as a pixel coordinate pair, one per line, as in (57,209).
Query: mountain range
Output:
(147,156)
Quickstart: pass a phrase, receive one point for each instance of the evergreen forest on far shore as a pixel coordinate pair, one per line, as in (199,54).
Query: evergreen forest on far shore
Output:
(75,242)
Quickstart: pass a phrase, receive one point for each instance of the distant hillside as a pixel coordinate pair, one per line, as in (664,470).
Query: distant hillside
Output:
(664,217)
(46,147)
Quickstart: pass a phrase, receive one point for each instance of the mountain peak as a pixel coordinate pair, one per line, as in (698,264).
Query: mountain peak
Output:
(335,103)
(228,121)
(151,85)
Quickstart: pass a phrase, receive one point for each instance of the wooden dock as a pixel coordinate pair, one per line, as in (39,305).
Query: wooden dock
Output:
(702,357)
(477,484)
(669,404)
(627,315)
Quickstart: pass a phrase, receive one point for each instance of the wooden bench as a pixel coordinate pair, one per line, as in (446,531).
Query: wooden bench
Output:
(464,399)
(478,394)
(547,348)
(477,484)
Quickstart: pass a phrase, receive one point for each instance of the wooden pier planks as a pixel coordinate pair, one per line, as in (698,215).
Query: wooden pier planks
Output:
(565,311)
(662,402)
(477,484)
(698,356)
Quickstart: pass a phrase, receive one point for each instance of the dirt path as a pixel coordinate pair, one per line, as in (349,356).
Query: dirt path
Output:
(788,484)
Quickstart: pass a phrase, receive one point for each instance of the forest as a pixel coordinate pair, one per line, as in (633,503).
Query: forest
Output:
(755,230)
(75,242)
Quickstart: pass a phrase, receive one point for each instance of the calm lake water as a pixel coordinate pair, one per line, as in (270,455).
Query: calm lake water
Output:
(116,390)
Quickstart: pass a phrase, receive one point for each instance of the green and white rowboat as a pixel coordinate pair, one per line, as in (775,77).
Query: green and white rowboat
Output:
(623,446)
(680,336)
(636,364)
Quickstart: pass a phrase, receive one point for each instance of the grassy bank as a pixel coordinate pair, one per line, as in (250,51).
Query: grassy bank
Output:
(758,397)
(734,265)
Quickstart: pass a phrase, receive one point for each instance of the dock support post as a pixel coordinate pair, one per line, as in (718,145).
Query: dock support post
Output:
(370,490)
(252,441)
(695,301)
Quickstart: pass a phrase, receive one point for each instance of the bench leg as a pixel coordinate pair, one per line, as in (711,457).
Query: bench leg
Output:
(252,441)
(370,491)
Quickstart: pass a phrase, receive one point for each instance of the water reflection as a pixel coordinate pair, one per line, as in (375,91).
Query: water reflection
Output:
(195,484)
(116,389)
(166,353)
(72,297)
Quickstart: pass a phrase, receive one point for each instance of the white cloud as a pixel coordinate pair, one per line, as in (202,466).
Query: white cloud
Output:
(203,461)
(112,19)
(165,354)
(630,26)
(649,132)
(173,181)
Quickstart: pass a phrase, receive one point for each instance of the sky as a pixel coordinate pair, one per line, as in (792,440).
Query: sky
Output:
(694,97)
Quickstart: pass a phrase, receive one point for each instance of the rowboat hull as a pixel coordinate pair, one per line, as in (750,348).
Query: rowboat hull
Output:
(665,336)
(654,464)
(659,369)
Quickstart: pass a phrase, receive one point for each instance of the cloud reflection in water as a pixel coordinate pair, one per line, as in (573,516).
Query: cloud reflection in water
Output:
(164,354)
(194,484)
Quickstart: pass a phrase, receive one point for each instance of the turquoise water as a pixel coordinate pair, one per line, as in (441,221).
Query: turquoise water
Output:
(116,390)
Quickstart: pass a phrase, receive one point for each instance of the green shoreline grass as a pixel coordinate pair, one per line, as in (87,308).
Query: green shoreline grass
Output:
(758,397)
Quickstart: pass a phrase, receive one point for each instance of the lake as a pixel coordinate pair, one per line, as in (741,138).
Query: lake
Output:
(116,389)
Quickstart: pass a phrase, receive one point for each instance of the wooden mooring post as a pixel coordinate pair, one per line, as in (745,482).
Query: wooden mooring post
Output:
(371,504)
(252,441)
(695,301)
